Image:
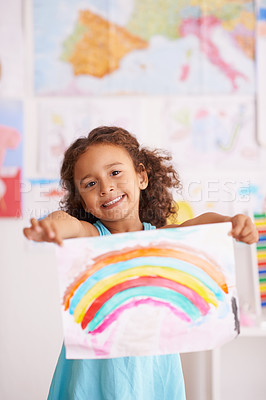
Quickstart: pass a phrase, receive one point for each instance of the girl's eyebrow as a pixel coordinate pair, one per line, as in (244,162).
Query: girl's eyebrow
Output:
(105,167)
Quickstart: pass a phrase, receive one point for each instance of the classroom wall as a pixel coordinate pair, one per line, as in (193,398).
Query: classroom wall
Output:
(31,331)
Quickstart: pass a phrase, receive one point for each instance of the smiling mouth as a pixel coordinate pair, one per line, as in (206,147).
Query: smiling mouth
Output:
(113,202)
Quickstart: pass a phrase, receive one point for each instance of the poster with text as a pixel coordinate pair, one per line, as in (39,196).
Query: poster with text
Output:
(41,197)
(11,131)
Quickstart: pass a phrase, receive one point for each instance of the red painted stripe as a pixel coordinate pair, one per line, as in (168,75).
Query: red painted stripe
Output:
(190,294)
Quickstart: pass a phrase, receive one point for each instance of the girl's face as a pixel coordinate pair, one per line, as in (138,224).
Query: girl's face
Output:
(108,184)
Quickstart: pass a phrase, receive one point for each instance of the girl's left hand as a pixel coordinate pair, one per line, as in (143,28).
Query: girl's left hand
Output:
(243,229)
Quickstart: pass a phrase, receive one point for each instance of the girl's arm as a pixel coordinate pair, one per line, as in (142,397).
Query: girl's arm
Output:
(58,226)
(243,229)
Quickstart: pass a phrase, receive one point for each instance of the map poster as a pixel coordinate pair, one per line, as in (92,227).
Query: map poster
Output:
(144,47)
(11,128)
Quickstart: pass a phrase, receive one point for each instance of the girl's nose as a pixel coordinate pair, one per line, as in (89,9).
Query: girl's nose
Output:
(106,187)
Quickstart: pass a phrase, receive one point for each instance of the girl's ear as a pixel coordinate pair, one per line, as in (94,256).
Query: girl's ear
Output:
(143,177)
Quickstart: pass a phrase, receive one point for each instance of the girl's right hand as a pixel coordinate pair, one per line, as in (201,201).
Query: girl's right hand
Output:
(44,230)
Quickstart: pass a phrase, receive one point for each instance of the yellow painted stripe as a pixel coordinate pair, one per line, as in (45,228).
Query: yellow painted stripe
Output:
(147,270)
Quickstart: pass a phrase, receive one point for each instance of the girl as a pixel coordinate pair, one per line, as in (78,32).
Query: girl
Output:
(112,185)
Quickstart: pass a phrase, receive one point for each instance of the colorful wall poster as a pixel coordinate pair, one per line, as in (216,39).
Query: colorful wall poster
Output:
(260,70)
(40,197)
(63,121)
(217,132)
(99,47)
(11,131)
(11,49)
(150,292)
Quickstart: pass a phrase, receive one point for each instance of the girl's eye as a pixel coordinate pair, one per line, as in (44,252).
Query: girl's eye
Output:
(90,184)
(115,172)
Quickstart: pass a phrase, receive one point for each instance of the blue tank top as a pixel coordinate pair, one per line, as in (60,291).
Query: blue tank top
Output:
(124,378)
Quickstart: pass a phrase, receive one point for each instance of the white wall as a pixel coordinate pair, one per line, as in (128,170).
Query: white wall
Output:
(31,332)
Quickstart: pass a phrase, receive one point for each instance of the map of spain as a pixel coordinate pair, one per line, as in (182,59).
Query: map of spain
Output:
(97,46)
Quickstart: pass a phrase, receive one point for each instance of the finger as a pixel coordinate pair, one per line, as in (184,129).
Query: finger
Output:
(247,229)
(27,233)
(48,231)
(57,239)
(248,239)
(31,234)
(35,224)
(60,243)
(249,232)
(238,224)
(236,233)
(251,237)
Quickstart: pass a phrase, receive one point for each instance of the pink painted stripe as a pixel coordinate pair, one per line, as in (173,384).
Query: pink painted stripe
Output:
(112,317)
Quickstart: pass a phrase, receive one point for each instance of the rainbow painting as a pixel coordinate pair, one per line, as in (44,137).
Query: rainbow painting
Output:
(151,292)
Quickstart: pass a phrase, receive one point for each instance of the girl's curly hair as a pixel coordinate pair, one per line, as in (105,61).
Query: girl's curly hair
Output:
(156,201)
